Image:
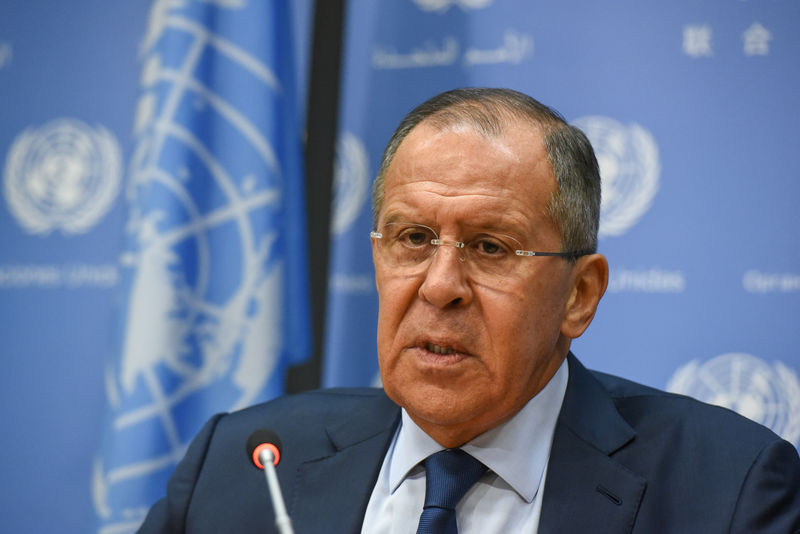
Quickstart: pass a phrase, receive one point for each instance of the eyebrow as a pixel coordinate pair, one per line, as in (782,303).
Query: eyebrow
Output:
(397,217)
(491,227)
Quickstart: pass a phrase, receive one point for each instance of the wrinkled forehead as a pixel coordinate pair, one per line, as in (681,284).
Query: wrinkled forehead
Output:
(514,147)
(457,172)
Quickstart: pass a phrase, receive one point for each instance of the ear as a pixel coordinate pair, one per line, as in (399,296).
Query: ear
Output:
(590,279)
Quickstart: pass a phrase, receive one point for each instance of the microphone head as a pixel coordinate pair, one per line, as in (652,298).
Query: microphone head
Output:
(263,439)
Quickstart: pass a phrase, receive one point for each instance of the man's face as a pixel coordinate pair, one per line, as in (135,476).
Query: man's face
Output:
(502,339)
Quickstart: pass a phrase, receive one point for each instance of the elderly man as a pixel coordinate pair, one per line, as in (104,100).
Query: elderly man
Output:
(486,209)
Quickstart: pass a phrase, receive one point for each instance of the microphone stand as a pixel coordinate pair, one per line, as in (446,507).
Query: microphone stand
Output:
(282,521)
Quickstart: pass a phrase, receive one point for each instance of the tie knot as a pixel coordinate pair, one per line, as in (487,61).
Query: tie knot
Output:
(448,476)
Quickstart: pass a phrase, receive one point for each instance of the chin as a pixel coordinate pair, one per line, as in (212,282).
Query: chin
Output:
(441,406)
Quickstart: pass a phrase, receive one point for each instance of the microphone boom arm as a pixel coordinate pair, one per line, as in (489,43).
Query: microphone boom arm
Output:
(282,521)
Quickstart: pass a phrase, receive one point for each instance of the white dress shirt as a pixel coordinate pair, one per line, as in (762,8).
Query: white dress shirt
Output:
(507,498)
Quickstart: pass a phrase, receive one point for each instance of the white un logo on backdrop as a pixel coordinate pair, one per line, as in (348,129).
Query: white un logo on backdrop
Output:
(769,395)
(62,176)
(350,182)
(629,167)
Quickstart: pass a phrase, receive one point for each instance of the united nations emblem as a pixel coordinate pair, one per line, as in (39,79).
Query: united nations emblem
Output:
(769,395)
(350,182)
(214,308)
(629,168)
(63,175)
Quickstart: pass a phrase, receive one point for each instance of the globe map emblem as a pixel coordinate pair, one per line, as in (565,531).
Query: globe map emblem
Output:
(350,183)
(769,395)
(63,176)
(629,169)
(203,271)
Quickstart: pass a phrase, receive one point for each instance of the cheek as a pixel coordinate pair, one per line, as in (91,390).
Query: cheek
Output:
(522,330)
(395,296)
(512,333)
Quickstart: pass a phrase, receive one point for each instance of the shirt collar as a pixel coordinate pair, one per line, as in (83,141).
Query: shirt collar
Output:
(517,450)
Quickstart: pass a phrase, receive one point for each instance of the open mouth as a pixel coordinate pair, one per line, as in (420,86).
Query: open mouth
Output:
(439,349)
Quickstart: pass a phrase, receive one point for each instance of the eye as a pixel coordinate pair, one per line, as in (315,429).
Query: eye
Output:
(489,246)
(415,236)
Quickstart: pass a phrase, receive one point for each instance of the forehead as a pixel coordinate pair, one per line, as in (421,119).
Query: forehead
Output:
(456,171)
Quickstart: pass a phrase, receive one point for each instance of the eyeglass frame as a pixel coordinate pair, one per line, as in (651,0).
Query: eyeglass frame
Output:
(571,255)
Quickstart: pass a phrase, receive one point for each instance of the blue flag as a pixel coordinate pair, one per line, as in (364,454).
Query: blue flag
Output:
(215,300)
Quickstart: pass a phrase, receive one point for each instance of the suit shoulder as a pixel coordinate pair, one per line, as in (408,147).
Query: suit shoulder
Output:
(650,409)
(306,416)
(315,400)
(621,387)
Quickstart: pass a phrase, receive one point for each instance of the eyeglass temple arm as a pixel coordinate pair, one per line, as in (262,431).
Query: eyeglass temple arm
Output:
(575,254)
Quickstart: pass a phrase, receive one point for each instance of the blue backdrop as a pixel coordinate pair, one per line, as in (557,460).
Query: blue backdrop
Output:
(691,107)
(152,241)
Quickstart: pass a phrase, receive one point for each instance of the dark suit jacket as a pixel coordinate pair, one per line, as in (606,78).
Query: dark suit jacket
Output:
(625,459)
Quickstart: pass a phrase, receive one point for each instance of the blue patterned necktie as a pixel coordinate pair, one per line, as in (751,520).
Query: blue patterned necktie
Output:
(448,476)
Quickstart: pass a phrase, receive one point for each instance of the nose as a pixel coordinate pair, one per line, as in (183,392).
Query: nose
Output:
(459,246)
(445,281)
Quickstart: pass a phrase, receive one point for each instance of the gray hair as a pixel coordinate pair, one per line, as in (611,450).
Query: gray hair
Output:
(575,205)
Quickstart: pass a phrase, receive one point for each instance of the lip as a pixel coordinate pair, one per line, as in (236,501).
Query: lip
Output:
(439,352)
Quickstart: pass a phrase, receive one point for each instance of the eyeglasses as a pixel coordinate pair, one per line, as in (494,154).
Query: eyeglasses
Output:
(408,247)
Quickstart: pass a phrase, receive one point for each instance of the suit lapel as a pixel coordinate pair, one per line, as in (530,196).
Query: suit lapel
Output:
(331,492)
(586,489)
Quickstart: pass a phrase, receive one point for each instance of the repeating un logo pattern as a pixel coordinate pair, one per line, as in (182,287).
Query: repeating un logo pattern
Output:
(350,183)
(204,270)
(769,395)
(63,176)
(629,168)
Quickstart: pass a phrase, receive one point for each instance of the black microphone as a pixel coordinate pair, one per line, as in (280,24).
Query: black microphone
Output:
(264,450)
(260,440)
